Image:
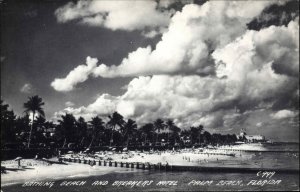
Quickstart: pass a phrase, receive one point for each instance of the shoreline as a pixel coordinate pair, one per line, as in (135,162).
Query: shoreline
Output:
(176,167)
(53,172)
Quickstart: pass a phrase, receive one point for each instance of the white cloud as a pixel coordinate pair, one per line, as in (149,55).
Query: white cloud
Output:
(122,15)
(188,99)
(26,88)
(77,75)
(252,61)
(69,104)
(283,114)
(201,76)
(259,124)
(104,105)
(205,29)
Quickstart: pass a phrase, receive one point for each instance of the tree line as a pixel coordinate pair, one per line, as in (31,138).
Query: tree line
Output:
(70,132)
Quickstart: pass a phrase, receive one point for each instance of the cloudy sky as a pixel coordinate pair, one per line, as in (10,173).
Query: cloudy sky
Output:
(225,65)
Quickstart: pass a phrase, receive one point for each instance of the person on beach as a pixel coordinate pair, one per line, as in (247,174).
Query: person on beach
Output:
(3,169)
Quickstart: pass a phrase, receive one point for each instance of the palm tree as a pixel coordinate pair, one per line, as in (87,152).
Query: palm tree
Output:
(48,125)
(200,130)
(170,125)
(8,122)
(207,137)
(39,129)
(34,105)
(22,124)
(175,132)
(115,119)
(40,123)
(130,127)
(147,130)
(97,125)
(194,132)
(158,125)
(81,126)
(67,125)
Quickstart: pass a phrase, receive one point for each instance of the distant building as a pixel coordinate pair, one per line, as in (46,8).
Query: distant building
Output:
(250,138)
(242,134)
(255,138)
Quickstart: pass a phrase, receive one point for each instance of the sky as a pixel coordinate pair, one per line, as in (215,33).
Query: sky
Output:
(225,65)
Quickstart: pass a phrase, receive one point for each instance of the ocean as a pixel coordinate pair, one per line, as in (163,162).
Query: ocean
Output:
(177,181)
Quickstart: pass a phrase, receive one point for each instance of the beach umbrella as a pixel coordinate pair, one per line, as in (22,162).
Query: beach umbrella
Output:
(70,152)
(113,149)
(19,161)
(18,158)
(125,149)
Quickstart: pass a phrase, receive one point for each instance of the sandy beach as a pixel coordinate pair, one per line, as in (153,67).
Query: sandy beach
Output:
(196,157)
(36,170)
(182,158)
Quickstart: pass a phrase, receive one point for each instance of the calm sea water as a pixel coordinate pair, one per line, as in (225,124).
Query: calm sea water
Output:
(278,182)
(288,182)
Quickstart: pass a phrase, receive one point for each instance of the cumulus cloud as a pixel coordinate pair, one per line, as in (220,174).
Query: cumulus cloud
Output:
(77,75)
(281,46)
(26,88)
(188,99)
(150,16)
(205,29)
(276,45)
(219,73)
(283,114)
(269,56)
(104,104)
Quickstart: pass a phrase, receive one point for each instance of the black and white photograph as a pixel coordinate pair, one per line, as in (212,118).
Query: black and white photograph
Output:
(149,95)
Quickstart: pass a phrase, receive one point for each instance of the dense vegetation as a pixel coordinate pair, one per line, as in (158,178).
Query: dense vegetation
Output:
(69,132)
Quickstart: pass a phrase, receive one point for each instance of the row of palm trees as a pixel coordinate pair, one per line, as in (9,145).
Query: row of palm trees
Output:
(116,131)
